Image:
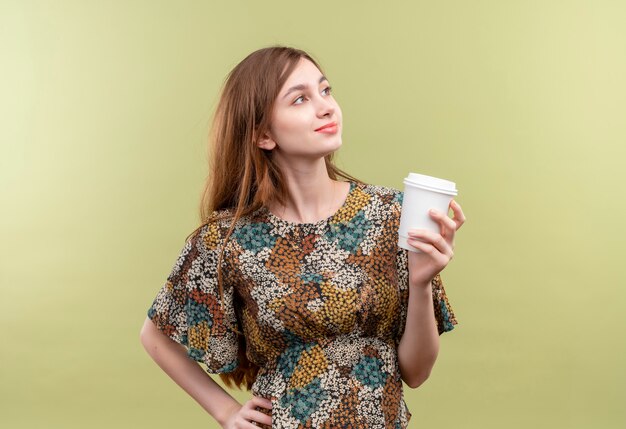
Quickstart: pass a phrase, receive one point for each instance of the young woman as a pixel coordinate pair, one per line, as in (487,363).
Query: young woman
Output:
(294,285)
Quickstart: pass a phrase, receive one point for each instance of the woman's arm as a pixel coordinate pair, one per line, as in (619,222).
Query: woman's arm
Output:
(419,345)
(172,358)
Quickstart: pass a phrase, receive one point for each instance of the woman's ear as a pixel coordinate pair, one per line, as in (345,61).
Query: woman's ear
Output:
(266,142)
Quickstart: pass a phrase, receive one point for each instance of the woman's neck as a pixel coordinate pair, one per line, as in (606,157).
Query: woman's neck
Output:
(311,200)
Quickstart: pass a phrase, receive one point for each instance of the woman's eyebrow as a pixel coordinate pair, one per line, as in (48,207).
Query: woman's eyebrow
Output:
(301,87)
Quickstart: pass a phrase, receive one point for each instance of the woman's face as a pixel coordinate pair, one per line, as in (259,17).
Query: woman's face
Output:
(304,105)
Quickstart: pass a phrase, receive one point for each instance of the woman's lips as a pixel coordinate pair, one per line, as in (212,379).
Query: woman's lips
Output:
(328,128)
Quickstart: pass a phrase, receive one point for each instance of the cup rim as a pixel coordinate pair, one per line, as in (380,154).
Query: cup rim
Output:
(447,191)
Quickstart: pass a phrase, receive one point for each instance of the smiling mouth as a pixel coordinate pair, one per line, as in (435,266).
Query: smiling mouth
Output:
(331,125)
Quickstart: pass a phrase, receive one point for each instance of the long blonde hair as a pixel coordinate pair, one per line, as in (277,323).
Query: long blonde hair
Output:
(243,177)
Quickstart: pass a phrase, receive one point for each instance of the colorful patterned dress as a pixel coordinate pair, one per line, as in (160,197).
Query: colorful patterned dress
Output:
(322,306)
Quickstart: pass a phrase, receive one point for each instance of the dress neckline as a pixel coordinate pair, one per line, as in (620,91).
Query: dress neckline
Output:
(280,221)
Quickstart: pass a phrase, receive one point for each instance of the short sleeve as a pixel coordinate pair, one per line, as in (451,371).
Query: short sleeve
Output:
(189,310)
(444,316)
(443,311)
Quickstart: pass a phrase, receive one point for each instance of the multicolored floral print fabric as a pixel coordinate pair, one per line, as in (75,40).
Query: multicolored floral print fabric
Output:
(322,307)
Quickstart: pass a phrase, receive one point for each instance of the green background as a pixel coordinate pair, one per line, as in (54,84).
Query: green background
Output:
(105,108)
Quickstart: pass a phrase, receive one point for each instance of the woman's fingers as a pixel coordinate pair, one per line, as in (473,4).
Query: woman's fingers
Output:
(438,259)
(459,216)
(259,417)
(253,415)
(261,402)
(429,241)
(448,226)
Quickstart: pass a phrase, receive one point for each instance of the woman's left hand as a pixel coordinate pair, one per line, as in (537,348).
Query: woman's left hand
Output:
(437,249)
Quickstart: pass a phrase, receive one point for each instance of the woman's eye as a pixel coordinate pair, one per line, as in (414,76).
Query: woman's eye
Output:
(300,100)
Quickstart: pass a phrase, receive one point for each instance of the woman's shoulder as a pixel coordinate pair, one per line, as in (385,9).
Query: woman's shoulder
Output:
(214,233)
(221,220)
(213,228)
(381,203)
(386,194)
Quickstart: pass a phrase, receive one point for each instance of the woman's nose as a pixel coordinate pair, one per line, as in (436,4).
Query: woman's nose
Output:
(326,107)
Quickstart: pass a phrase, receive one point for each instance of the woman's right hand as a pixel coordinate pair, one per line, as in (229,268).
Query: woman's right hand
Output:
(247,417)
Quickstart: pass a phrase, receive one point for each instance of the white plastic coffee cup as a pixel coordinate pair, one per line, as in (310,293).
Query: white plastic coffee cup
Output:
(422,193)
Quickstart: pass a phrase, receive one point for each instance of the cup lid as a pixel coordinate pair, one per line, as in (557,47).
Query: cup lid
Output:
(430,182)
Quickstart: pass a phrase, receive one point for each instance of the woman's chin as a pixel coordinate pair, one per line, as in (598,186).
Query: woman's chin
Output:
(333,149)
(335,144)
